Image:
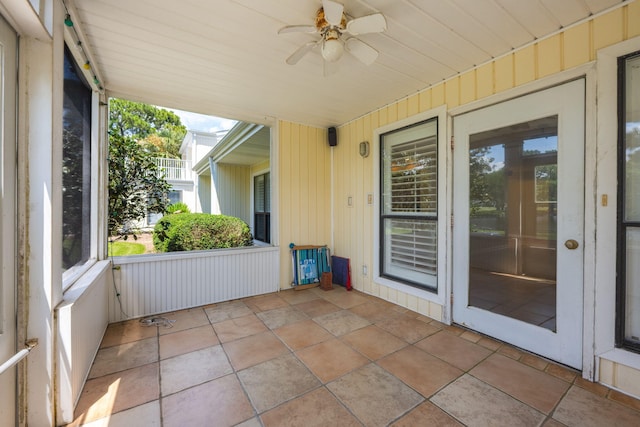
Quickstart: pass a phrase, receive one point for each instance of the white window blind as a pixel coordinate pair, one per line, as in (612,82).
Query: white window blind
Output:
(409,204)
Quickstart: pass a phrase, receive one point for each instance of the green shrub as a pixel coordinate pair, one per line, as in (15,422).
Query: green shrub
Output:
(178,207)
(198,231)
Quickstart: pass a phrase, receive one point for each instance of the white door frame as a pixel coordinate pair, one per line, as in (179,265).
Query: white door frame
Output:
(591,197)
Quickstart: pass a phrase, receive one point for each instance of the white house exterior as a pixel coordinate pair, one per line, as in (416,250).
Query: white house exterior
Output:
(218,172)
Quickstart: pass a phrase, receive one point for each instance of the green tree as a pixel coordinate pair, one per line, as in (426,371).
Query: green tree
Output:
(137,133)
(479,168)
(136,186)
(157,130)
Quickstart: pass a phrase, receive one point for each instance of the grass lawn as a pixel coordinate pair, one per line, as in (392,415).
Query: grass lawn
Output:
(125,248)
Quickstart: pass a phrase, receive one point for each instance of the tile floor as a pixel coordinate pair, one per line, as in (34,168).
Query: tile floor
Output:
(329,358)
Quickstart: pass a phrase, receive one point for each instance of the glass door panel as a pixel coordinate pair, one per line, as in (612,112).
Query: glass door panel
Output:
(512,219)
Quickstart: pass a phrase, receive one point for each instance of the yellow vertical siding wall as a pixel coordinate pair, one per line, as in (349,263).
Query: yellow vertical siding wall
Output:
(304,180)
(353,175)
(234,180)
(259,168)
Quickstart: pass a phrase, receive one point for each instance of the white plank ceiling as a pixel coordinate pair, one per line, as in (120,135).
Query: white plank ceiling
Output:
(225,58)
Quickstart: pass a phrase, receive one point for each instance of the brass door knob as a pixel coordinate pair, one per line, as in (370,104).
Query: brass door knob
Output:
(571,244)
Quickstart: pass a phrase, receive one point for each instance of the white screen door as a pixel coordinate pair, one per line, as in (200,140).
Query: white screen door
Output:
(8,78)
(518,221)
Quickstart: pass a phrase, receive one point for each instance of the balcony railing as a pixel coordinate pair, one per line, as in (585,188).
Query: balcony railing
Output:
(174,169)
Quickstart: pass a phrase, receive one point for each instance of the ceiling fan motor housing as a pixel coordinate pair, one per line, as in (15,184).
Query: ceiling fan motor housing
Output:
(323,25)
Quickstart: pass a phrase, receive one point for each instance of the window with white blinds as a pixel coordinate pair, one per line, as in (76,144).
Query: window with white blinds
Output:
(262,208)
(409,204)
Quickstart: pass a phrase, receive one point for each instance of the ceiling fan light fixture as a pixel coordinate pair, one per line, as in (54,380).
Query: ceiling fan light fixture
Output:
(332,48)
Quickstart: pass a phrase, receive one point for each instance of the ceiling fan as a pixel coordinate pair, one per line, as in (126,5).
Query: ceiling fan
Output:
(331,23)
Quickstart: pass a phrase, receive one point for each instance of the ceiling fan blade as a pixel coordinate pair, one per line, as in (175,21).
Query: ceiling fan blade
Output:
(375,23)
(298,29)
(302,51)
(332,12)
(362,51)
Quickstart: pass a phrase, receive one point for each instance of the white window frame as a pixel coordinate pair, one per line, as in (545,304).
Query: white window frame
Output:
(437,295)
(606,216)
(252,207)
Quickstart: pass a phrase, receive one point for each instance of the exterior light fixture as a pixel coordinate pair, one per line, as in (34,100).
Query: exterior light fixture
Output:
(364,149)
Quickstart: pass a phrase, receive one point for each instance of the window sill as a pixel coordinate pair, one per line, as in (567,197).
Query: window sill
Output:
(75,273)
(623,357)
(425,294)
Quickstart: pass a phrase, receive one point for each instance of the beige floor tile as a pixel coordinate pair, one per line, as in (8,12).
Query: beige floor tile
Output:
(265,302)
(124,356)
(227,310)
(375,311)
(341,322)
(471,336)
(275,381)
(534,361)
(196,367)
(374,396)
(219,402)
(427,414)
(489,343)
(255,349)
(251,422)
(136,363)
(373,342)
(117,392)
(624,399)
(184,319)
(550,422)
(454,349)
(409,329)
(239,327)
(538,389)
(453,329)
(343,299)
(561,372)
(331,359)
(281,316)
(595,388)
(293,297)
(186,341)
(317,307)
(585,409)
(147,414)
(318,408)
(511,352)
(302,334)
(475,403)
(420,370)
(126,332)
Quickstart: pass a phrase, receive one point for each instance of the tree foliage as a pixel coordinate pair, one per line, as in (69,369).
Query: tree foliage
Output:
(135,185)
(479,167)
(157,130)
(137,133)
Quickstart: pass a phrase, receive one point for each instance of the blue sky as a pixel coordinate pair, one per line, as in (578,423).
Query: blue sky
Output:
(201,122)
(541,144)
